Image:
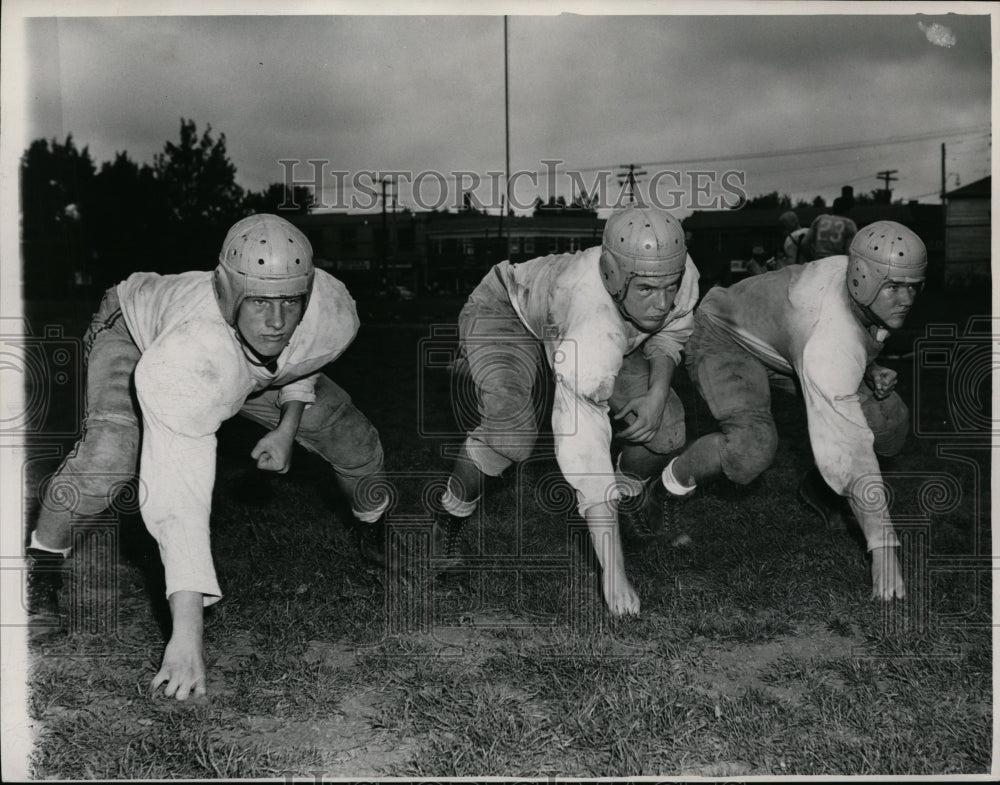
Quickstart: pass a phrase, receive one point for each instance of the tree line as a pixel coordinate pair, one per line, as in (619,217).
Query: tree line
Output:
(89,225)
(84,224)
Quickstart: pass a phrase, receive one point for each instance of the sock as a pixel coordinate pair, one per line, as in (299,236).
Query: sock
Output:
(627,484)
(36,545)
(671,483)
(370,516)
(455,506)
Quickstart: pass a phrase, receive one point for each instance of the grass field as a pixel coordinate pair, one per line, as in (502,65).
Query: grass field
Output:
(757,652)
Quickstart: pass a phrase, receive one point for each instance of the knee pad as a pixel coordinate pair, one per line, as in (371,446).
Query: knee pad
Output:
(889,420)
(670,436)
(101,466)
(510,447)
(749,443)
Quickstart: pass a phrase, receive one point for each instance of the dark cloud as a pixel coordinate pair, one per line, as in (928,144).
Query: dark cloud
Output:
(426,92)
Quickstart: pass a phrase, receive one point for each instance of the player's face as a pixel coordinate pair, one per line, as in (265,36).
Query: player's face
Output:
(648,301)
(267,323)
(893,302)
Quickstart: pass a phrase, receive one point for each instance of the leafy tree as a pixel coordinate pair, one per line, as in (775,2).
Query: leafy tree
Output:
(584,203)
(555,204)
(82,225)
(202,197)
(56,198)
(771,201)
(275,199)
(128,218)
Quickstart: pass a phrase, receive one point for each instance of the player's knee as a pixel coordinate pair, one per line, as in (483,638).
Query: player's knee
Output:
(109,448)
(508,411)
(748,448)
(669,437)
(515,447)
(102,465)
(342,436)
(889,420)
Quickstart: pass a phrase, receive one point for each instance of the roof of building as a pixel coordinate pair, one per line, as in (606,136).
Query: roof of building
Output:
(464,223)
(976,190)
(553,223)
(862,215)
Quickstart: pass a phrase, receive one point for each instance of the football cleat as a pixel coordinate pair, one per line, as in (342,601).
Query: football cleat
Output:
(46,571)
(823,500)
(369,538)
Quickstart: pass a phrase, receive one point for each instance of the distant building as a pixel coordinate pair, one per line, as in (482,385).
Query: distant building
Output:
(437,253)
(368,252)
(462,247)
(967,237)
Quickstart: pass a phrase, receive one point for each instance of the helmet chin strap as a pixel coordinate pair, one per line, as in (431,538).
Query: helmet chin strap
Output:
(626,315)
(269,362)
(866,315)
(620,302)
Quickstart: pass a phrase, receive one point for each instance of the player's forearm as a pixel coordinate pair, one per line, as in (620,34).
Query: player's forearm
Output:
(868,503)
(187,614)
(602,523)
(661,373)
(291,417)
(583,447)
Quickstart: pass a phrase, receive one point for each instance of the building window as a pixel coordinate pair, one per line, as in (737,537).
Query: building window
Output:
(529,244)
(349,238)
(468,246)
(406,239)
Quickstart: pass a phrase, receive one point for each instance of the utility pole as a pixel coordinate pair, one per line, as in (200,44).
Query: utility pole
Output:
(887,175)
(944,177)
(504,239)
(384,245)
(628,179)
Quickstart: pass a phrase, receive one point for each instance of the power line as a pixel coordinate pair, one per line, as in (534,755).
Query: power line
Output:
(816,149)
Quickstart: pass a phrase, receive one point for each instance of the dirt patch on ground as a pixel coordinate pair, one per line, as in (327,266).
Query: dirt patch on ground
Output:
(732,670)
(351,743)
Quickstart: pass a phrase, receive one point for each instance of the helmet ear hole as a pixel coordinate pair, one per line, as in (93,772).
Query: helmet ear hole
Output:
(265,256)
(882,251)
(640,241)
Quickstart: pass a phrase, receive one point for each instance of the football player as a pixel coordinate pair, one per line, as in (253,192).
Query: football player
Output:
(200,347)
(609,324)
(824,323)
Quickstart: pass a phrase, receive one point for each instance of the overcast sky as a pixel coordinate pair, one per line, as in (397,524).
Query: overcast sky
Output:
(426,94)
